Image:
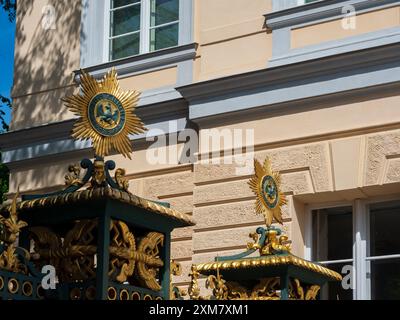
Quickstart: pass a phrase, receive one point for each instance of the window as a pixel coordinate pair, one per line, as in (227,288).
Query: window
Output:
(337,231)
(141,26)
(332,246)
(383,248)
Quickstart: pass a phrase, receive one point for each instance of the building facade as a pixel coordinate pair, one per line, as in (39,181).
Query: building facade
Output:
(313,85)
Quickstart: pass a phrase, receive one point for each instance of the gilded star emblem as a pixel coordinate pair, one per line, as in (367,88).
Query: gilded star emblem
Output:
(105,114)
(266,186)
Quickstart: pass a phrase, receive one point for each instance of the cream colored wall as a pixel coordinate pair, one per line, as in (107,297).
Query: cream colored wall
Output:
(150,80)
(45,61)
(230,41)
(333,30)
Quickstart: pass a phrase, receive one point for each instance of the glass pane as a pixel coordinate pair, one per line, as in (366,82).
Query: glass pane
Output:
(120,3)
(337,290)
(332,234)
(164,11)
(164,37)
(125,20)
(384,226)
(124,46)
(385,279)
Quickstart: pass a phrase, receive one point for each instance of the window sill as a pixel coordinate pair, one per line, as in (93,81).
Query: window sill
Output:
(143,62)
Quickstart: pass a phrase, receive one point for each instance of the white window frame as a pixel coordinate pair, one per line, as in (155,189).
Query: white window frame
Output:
(144,31)
(361,257)
(95,30)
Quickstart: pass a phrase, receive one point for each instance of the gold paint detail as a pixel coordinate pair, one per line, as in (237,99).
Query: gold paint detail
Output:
(265,289)
(175,292)
(122,252)
(122,182)
(99,174)
(297,291)
(194,289)
(274,243)
(112,293)
(268,203)
(13,285)
(148,269)
(74,257)
(135,296)
(84,129)
(260,262)
(73,177)
(124,294)
(100,194)
(27,289)
(11,227)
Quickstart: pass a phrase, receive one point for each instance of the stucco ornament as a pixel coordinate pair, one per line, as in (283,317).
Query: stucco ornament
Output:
(266,185)
(106,114)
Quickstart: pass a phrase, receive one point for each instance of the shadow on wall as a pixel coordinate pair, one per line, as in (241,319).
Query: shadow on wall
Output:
(47,49)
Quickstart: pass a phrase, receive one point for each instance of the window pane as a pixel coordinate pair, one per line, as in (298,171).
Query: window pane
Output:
(337,290)
(124,46)
(385,279)
(384,228)
(164,11)
(125,20)
(120,3)
(164,37)
(332,234)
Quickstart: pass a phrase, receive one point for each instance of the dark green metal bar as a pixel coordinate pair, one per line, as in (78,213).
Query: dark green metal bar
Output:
(285,287)
(103,243)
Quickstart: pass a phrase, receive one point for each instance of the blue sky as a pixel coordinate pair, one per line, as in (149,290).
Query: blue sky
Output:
(7,32)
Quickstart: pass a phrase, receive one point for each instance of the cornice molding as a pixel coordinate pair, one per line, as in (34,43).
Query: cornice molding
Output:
(316,11)
(266,87)
(61,131)
(287,73)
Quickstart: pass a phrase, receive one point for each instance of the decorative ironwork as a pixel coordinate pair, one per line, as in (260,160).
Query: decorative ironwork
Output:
(175,292)
(148,269)
(9,259)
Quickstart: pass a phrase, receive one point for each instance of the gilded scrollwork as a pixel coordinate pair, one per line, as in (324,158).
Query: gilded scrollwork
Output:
(122,182)
(99,174)
(266,289)
(297,291)
(73,177)
(175,292)
(122,251)
(11,228)
(74,256)
(275,242)
(194,289)
(148,271)
(218,286)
